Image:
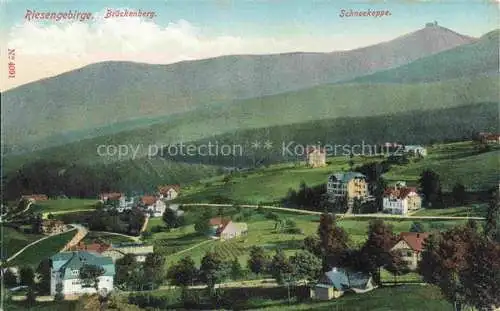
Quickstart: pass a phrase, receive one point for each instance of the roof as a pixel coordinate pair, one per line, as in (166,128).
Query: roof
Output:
(311,149)
(165,188)
(345,177)
(52,222)
(399,192)
(343,279)
(68,261)
(36,197)
(414,239)
(111,195)
(94,247)
(219,221)
(148,199)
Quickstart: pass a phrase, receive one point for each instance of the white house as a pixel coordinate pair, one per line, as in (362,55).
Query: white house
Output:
(153,205)
(118,200)
(169,192)
(401,200)
(65,270)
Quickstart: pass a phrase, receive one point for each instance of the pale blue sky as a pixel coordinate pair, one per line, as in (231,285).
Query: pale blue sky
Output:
(287,17)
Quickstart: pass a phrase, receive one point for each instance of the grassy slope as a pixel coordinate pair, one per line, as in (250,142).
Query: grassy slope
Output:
(46,248)
(110,92)
(60,205)
(408,298)
(13,240)
(107,238)
(457,162)
(454,162)
(318,103)
(261,232)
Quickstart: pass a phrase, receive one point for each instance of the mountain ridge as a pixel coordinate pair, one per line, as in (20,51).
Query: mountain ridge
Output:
(104,93)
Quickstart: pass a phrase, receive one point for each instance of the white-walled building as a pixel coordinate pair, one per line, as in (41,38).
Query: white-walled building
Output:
(66,267)
(401,200)
(169,192)
(153,205)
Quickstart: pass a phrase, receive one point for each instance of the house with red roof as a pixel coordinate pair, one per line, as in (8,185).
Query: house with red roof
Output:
(169,192)
(225,228)
(410,245)
(153,205)
(315,156)
(401,200)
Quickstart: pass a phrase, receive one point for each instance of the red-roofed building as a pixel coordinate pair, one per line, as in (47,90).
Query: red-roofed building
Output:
(316,156)
(110,196)
(95,247)
(489,138)
(410,245)
(401,200)
(169,192)
(34,197)
(153,205)
(225,229)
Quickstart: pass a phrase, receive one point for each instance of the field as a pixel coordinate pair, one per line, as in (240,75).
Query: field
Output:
(14,240)
(46,248)
(473,210)
(454,162)
(107,238)
(261,231)
(404,297)
(265,185)
(64,205)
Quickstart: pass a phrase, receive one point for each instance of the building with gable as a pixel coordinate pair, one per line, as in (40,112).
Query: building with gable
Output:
(65,270)
(336,282)
(410,245)
(401,200)
(347,185)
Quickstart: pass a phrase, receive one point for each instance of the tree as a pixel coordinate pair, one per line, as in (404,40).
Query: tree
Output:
(306,266)
(417,226)
(43,271)
(430,186)
(481,278)
(445,257)
(153,267)
(312,244)
(396,265)
(59,296)
(459,194)
(236,270)
(26,276)
(333,241)
(183,273)
(9,278)
(125,271)
(30,297)
(202,226)
(492,225)
(213,270)
(89,274)
(171,219)
(280,266)
(375,251)
(258,261)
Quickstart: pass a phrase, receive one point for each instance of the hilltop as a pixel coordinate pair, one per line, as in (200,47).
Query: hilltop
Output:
(477,58)
(116,92)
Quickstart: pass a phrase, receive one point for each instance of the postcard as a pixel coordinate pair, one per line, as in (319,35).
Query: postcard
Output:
(250,155)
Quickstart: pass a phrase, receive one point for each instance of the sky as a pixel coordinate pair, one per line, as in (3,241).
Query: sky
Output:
(194,29)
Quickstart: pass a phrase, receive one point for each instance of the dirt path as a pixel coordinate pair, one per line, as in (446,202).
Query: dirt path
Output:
(383,216)
(40,240)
